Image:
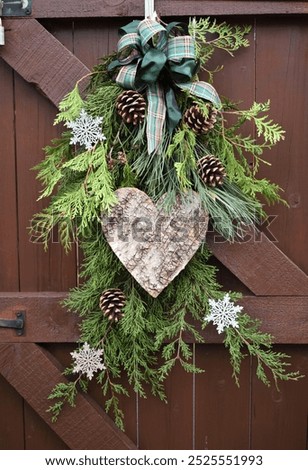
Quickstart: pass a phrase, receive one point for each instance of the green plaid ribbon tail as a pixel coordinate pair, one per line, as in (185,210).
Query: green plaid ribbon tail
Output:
(202,90)
(156,116)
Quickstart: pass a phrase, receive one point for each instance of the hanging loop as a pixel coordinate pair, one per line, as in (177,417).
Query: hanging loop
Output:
(149,11)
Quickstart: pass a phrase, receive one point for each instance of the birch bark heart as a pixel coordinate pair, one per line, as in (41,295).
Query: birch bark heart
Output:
(152,244)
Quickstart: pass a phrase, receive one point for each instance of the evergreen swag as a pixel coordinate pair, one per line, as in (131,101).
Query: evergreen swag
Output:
(81,184)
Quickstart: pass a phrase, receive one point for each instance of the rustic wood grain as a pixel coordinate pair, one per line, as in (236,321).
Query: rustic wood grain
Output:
(41,59)
(91,45)
(11,411)
(152,244)
(287,58)
(260,265)
(279,417)
(47,322)
(38,434)
(123,8)
(174,420)
(25,367)
(39,270)
(9,275)
(222,408)
(45,318)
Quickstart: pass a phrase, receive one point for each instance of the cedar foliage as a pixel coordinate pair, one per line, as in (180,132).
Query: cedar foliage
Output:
(81,185)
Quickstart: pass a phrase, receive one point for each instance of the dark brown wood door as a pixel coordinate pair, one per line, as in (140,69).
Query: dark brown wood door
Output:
(50,51)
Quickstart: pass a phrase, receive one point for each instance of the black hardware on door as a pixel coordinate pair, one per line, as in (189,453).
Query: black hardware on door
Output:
(17,324)
(15,7)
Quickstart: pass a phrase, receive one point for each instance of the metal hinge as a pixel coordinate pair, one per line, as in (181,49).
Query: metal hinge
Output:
(15,7)
(17,324)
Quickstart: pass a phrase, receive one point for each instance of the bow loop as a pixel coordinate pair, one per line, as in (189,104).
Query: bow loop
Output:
(152,34)
(129,48)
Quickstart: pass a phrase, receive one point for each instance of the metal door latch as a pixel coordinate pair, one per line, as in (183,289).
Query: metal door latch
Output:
(17,324)
(15,7)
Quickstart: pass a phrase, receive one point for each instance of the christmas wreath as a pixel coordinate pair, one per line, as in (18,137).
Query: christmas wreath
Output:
(147,158)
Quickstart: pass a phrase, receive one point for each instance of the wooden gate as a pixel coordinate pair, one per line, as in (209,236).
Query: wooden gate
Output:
(50,51)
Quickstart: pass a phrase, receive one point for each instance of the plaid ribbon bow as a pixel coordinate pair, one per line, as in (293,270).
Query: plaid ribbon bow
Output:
(154,57)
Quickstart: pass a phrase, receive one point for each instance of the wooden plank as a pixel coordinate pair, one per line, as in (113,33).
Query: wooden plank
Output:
(287,57)
(41,59)
(47,322)
(38,435)
(39,270)
(279,418)
(11,411)
(91,42)
(175,420)
(124,8)
(45,318)
(260,265)
(9,278)
(222,408)
(28,367)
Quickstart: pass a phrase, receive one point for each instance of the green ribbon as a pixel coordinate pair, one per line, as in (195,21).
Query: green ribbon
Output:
(158,58)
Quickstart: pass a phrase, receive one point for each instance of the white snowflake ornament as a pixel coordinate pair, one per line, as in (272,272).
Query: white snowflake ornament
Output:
(88,361)
(86,130)
(223,313)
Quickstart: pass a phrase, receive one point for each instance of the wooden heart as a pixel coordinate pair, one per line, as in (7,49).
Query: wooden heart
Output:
(152,244)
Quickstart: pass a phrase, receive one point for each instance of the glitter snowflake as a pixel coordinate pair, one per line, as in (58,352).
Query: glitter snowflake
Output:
(223,313)
(86,130)
(88,360)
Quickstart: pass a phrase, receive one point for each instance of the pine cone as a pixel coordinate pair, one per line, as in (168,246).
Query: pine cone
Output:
(211,171)
(197,121)
(111,304)
(131,107)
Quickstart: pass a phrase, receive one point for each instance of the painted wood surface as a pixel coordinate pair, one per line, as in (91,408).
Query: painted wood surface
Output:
(48,322)
(122,8)
(41,59)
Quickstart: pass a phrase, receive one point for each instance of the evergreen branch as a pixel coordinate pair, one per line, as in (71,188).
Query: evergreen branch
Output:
(266,128)
(189,293)
(210,35)
(85,190)
(181,150)
(63,393)
(259,345)
(232,149)
(113,403)
(50,169)
(70,106)
(102,102)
